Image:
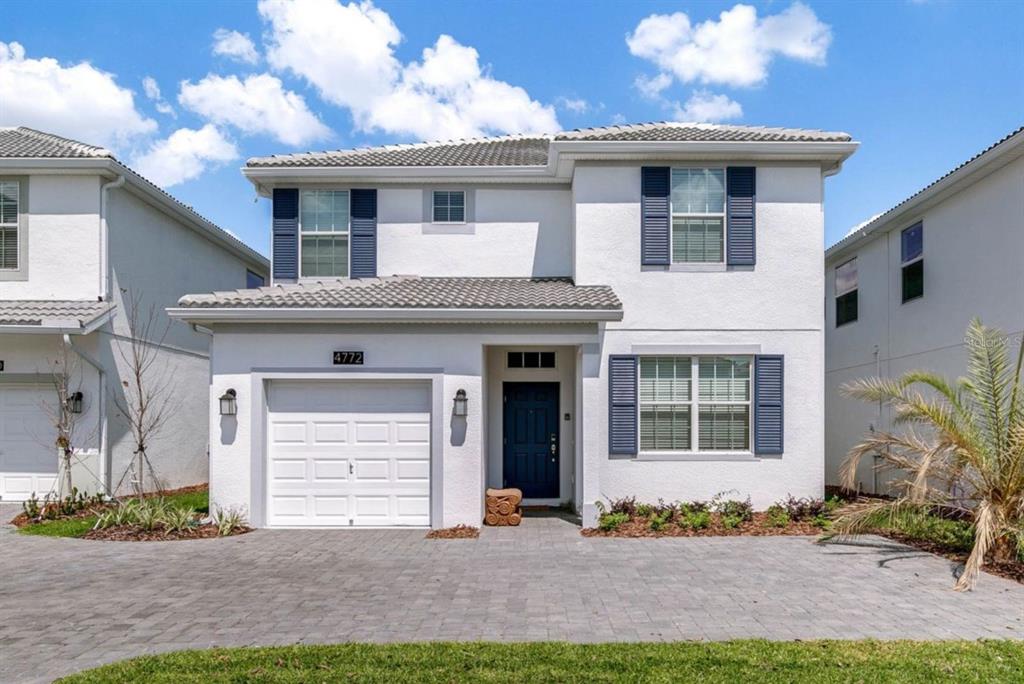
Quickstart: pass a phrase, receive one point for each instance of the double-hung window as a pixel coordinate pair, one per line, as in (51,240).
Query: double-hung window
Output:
(912,261)
(846,292)
(9,238)
(324,233)
(449,206)
(695,403)
(698,215)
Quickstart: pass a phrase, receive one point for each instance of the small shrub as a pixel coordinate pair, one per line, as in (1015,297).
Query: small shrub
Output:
(693,507)
(625,505)
(177,519)
(804,509)
(822,521)
(31,506)
(695,520)
(150,514)
(228,520)
(644,510)
(731,522)
(777,516)
(609,522)
(659,520)
(732,508)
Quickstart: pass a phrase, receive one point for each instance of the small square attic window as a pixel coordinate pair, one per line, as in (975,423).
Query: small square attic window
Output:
(531,359)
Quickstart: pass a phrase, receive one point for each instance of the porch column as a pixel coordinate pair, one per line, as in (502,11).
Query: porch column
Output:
(592,428)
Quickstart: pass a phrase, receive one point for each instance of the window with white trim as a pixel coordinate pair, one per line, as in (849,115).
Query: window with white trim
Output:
(324,234)
(9,238)
(698,215)
(846,292)
(912,261)
(713,417)
(449,206)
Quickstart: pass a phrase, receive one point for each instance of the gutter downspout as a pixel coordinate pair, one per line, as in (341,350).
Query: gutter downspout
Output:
(101,408)
(104,276)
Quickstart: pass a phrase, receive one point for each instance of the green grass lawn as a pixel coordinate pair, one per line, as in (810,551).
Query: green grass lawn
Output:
(820,662)
(77,527)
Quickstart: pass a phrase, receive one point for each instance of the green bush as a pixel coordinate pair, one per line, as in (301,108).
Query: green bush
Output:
(731,522)
(609,522)
(695,520)
(732,508)
(777,516)
(659,520)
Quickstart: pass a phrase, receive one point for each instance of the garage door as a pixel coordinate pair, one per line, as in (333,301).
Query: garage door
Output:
(348,453)
(28,462)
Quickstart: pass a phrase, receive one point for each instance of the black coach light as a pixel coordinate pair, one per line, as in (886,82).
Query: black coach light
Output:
(228,403)
(75,402)
(461,407)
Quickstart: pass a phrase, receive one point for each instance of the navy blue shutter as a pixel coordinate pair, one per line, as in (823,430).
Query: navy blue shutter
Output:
(285,242)
(769,376)
(364,234)
(622,406)
(741,191)
(654,215)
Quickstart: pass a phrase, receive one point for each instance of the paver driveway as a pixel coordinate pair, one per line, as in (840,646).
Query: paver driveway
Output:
(67,604)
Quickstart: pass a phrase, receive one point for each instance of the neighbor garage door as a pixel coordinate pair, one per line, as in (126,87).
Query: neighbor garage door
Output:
(28,458)
(347,453)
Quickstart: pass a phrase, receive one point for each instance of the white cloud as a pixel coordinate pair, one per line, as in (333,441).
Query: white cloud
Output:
(862,224)
(735,50)
(652,87)
(235,45)
(152,90)
(78,101)
(347,53)
(185,155)
(576,105)
(704,106)
(259,104)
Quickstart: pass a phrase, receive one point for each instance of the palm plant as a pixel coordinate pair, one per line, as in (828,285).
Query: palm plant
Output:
(960,449)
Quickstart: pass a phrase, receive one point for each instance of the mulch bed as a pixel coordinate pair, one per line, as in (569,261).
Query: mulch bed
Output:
(21,519)
(132,533)
(457,532)
(757,527)
(1012,570)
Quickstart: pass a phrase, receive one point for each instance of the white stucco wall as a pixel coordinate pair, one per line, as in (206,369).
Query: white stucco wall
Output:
(972,243)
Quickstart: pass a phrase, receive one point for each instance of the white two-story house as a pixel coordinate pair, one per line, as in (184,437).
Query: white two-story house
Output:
(625,311)
(902,289)
(81,237)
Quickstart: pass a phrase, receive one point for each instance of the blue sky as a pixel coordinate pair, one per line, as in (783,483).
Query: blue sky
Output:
(922,85)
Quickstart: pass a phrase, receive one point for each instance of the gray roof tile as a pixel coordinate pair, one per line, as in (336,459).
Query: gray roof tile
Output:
(533,150)
(413,292)
(51,312)
(28,142)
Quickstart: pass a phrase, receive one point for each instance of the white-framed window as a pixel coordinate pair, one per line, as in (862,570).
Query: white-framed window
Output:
(698,215)
(324,233)
(846,292)
(449,206)
(9,237)
(912,262)
(713,416)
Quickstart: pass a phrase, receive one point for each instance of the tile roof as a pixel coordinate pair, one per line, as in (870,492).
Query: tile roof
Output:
(533,150)
(413,292)
(28,142)
(51,313)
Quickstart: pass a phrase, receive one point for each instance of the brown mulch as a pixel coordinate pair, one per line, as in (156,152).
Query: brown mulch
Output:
(133,533)
(457,532)
(758,527)
(21,519)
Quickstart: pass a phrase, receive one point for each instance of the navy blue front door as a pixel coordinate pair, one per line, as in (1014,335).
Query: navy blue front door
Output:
(531,438)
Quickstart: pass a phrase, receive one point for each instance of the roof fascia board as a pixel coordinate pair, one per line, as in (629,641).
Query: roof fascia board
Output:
(391,315)
(827,151)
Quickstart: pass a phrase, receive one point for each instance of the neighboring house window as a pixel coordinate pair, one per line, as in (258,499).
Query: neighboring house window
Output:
(9,225)
(323,233)
(846,292)
(698,215)
(715,417)
(449,206)
(254,280)
(912,261)
(544,359)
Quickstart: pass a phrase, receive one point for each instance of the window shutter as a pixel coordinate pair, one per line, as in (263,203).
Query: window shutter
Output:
(364,233)
(622,406)
(285,248)
(654,215)
(742,194)
(768,405)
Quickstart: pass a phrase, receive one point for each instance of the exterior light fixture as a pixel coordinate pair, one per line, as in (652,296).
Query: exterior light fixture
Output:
(461,407)
(74,402)
(228,403)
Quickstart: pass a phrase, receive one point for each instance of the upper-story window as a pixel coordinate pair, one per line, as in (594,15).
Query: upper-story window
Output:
(846,292)
(912,261)
(449,206)
(323,233)
(254,280)
(698,215)
(9,225)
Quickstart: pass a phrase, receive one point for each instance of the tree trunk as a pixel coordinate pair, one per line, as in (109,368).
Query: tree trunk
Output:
(1004,550)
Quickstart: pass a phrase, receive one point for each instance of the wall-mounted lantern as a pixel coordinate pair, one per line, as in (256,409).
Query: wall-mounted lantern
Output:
(74,402)
(228,403)
(461,407)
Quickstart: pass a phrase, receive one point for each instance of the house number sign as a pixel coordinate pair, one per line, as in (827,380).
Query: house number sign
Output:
(348,358)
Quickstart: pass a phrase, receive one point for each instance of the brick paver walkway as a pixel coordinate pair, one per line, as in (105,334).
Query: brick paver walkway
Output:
(67,604)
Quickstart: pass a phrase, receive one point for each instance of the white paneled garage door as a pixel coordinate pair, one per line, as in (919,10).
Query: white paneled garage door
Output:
(27,461)
(347,453)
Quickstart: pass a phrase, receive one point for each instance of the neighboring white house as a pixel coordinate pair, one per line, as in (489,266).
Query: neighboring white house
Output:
(902,288)
(610,312)
(80,236)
